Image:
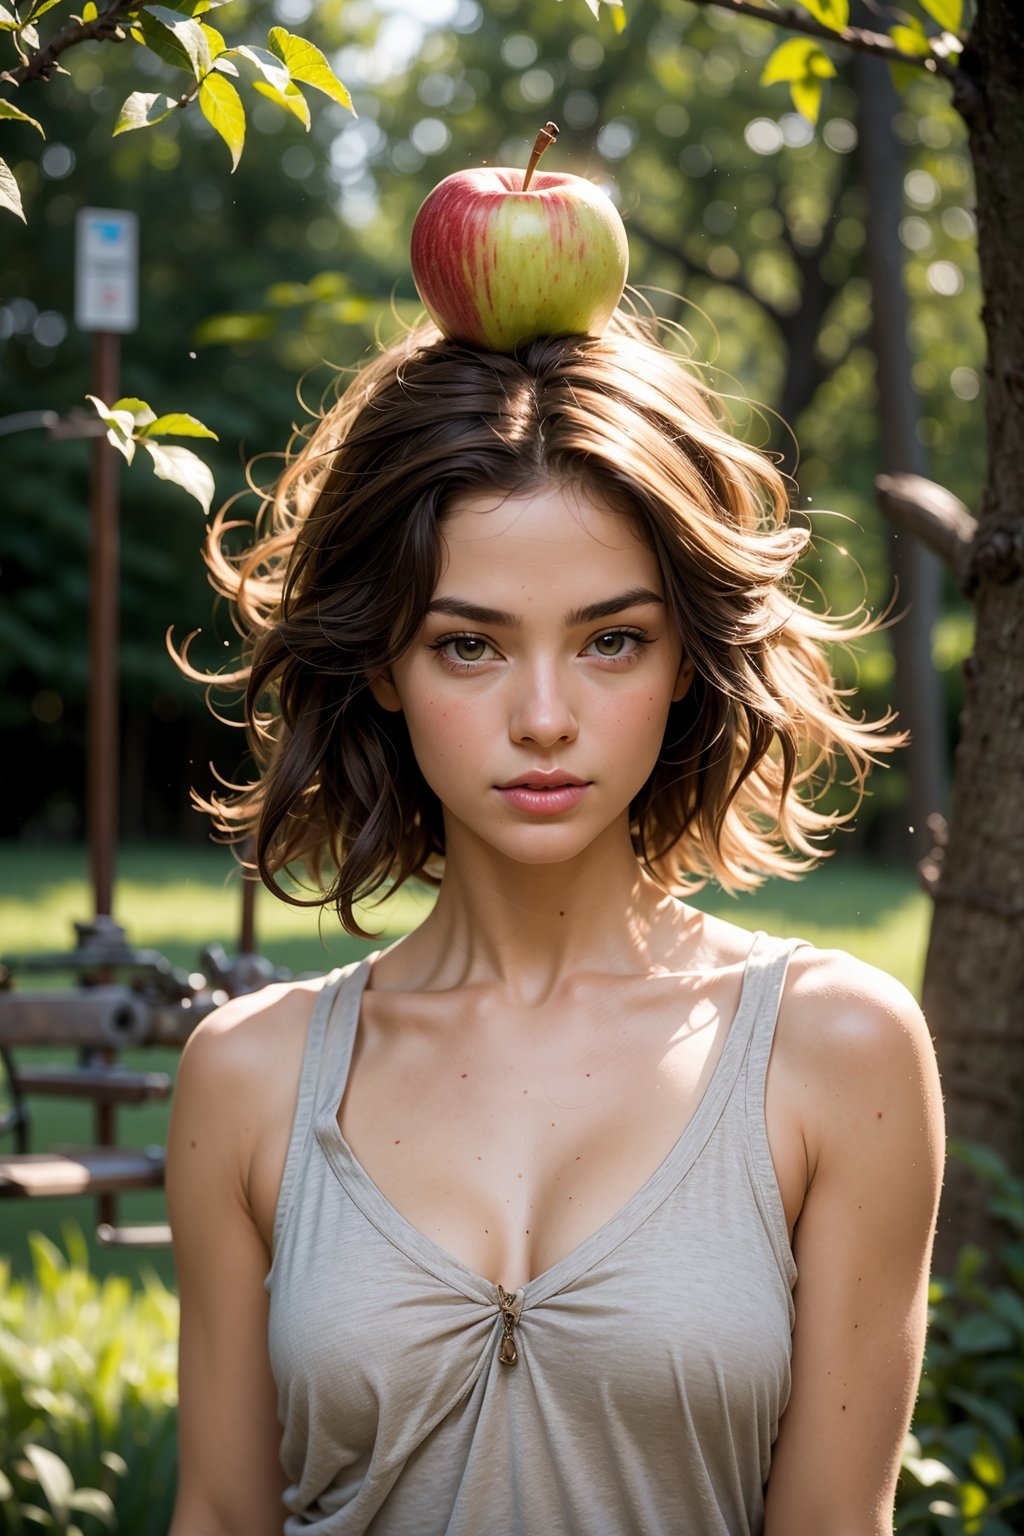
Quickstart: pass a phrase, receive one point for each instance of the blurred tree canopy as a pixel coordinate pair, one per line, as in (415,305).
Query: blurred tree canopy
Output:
(746,229)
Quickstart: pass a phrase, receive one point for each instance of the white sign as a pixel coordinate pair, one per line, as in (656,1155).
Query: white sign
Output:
(106,270)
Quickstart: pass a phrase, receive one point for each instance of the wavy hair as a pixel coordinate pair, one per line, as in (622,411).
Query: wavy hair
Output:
(344,560)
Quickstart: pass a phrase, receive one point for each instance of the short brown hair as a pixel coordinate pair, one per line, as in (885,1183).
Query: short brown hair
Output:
(335,587)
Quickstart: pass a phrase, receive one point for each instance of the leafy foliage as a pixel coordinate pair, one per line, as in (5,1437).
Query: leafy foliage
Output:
(964,1466)
(88,1395)
(133,421)
(176,35)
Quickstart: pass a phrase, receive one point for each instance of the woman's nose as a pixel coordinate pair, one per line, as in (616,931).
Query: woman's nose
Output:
(542,712)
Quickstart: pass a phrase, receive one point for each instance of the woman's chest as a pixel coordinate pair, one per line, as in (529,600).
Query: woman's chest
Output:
(683,1323)
(507,1143)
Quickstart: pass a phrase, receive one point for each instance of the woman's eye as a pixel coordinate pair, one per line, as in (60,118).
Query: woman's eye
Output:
(618,642)
(468,647)
(461,652)
(611,644)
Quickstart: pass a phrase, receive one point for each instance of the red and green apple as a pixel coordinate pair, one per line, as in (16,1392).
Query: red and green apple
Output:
(500,256)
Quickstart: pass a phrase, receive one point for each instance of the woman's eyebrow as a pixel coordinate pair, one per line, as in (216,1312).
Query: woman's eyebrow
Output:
(459,608)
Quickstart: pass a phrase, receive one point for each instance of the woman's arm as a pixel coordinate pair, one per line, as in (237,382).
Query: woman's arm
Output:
(861,1059)
(230,1478)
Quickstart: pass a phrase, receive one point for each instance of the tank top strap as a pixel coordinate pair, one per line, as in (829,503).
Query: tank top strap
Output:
(321,1042)
(773,957)
(340,1021)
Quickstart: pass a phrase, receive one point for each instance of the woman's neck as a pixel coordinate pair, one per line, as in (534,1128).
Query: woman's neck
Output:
(528,928)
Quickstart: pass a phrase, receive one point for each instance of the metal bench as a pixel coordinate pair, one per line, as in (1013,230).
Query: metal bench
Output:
(125,997)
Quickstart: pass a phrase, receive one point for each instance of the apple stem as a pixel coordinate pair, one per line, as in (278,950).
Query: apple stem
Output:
(547,136)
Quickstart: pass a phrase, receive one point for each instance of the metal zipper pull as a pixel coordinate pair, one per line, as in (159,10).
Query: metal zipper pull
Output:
(511,1306)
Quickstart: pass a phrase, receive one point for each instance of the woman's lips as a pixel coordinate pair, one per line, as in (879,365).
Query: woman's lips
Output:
(543,802)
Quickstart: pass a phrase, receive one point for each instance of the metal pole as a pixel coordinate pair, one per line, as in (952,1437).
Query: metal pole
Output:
(247,937)
(102,775)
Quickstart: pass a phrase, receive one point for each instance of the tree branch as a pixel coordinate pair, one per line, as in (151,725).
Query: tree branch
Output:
(858,38)
(932,514)
(666,248)
(44,61)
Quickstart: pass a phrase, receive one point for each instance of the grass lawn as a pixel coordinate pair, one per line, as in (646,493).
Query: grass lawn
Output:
(176,900)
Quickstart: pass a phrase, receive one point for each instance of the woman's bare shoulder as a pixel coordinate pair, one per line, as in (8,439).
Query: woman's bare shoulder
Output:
(247,1054)
(835,999)
(854,1045)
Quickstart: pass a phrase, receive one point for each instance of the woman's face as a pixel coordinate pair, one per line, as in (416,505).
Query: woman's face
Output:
(547,653)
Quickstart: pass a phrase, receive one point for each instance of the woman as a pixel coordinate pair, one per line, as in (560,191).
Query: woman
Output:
(576,1210)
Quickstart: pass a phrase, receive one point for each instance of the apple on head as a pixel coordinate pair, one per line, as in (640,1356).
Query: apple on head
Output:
(500,256)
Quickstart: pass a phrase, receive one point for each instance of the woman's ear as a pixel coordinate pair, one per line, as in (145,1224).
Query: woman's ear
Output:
(382,686)
(684,678)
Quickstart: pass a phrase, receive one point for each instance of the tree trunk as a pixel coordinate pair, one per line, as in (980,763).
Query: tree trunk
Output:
(974,981)
(915,571)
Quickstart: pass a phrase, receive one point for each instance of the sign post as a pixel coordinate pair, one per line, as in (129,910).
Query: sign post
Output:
(106,304)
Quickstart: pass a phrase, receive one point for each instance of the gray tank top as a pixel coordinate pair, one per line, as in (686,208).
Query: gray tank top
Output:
(653,1361)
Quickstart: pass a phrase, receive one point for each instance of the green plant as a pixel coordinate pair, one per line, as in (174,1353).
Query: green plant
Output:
(964,1461)
(88,1397)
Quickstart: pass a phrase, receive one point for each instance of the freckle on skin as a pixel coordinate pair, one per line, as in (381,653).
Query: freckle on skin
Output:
(398,1143)
(465,1074)
(191,1143)
(878,1114)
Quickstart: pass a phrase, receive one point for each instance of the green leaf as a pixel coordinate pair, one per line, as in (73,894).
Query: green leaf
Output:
(7,110)
(91,1501)
(184,468)
(987,1466)
(618,15)
(89,11)
(222,107)
(140,412)
(834,14)
(291,98)
(187,33)
(980,1335)
(796,59)
(307,63)
(973,1500)
(35,1513)
(911,38)
(42,8)
(928,1471)
(152,35)
(177,424)
(215,40)
(121,425)
(803,65)
(54,1478)
(142,110)
(227,330)
(806,96)
(948,13)
(269,65)
(10,196)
